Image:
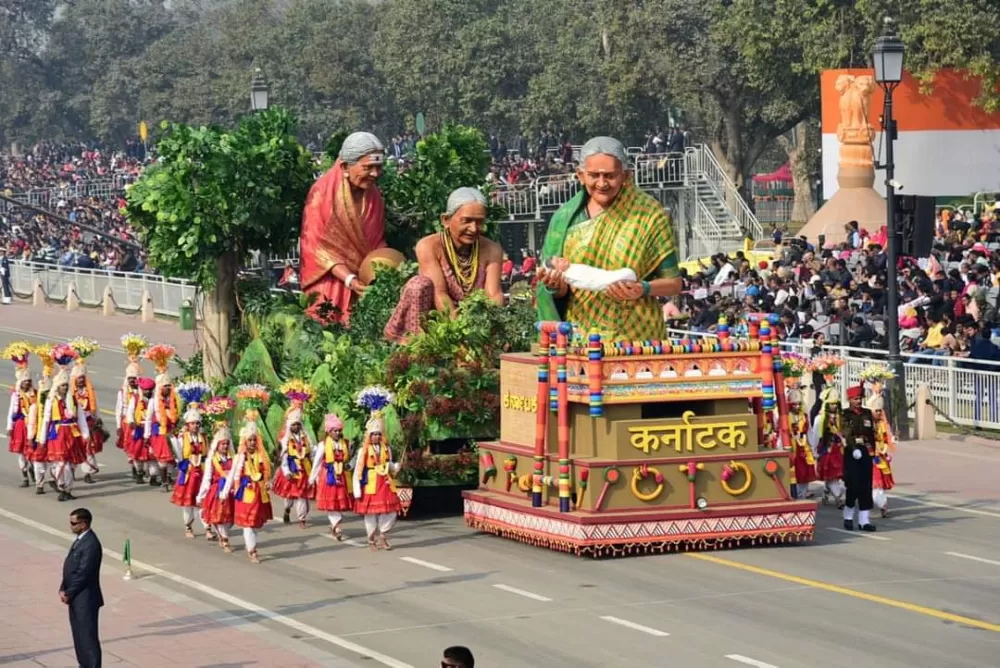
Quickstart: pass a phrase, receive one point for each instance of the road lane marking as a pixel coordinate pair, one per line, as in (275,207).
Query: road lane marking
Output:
(934,504)
(871,598)
(863,534)
(637,627)
(224,597)
(521,592)
(36,335)
(739,658)
(426,564)
(972,558)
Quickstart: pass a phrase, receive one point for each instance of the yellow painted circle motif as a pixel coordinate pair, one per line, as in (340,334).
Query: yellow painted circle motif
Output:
(637,476)
(748,479)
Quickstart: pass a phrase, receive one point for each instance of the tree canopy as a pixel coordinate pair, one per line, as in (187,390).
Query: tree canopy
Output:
(740,72)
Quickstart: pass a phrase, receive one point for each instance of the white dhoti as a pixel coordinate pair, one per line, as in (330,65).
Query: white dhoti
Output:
(22,463)
(382,522)
(335,519)
(250,538)
(301,507)
(222,530)
(189,512)
(40,469)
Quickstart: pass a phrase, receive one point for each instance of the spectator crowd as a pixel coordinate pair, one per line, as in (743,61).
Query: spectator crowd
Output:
(57,177)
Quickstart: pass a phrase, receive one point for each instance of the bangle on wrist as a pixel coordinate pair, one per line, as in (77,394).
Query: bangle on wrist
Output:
(349,280)
(646,288)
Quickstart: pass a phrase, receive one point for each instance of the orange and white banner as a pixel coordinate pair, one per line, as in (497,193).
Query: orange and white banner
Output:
(946,146)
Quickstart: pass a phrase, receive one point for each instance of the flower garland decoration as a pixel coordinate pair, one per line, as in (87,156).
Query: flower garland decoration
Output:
(160,355)
(134,345)
(793,365)
(18,352)
(217,408)
(84,347)
(375,398)
(297,391)
(63,354)
(825,364)
(193,392)
(44,352)
(253,398)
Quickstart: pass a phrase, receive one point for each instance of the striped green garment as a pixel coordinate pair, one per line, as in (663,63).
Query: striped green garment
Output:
(635,232)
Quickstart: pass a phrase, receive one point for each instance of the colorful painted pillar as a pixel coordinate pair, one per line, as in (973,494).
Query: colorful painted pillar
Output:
(562,415)
(767,386)
(595,374)
(541,416)
(784,428)
(753,331)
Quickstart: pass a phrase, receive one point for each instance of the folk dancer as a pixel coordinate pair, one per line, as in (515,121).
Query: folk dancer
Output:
(64,430)
(39,453)
(249,483)
(161,420)
(374,487)
(827,442)
(21,400)
(136,443)
(217,505)
(86,400)
(803,461)
(329,475)
(859,446)
(128,391)
(190,447)
(292,482)
(885,445)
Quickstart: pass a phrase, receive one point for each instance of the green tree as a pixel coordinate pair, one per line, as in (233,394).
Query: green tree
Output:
(415,197)
(214,196)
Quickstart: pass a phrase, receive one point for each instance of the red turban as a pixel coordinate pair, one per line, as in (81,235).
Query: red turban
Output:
(856,392)
(147,384)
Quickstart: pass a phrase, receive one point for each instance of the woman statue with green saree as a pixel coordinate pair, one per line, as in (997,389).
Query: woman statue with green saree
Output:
(610,225)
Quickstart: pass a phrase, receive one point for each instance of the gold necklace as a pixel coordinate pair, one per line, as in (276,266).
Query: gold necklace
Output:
(464,268)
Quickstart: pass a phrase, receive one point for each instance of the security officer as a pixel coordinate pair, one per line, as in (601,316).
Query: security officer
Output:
(859,444)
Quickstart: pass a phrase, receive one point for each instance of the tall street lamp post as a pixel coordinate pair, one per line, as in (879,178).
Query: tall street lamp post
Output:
(888,60)
(258,91)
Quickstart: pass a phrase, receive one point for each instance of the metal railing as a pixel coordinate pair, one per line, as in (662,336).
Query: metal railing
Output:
(126,288)
(701,161)
(963,395)
(107,188)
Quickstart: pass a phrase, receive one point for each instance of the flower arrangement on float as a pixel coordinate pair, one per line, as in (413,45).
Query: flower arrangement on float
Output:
(826,364)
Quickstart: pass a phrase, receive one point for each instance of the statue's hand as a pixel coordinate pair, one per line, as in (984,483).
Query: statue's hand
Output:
(357,287)
(625,291)
(554,281)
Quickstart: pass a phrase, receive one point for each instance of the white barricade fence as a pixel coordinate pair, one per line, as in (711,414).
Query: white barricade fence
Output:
(127,288)
(967,396)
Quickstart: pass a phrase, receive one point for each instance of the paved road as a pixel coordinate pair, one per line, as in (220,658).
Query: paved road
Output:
(923,591)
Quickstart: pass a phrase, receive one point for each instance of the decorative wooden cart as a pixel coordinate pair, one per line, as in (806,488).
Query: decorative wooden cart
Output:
(614,449)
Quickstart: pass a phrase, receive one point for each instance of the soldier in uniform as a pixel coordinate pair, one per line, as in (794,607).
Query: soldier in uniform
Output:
(859,444)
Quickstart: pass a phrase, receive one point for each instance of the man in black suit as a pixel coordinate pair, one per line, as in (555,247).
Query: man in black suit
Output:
(81,589)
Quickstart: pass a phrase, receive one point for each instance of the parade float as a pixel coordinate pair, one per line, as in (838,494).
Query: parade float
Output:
(622,448)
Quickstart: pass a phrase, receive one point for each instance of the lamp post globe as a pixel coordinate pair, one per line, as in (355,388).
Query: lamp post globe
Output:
(258,91)
(888,56)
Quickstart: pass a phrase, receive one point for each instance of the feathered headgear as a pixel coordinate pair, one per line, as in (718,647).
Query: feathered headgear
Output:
(298,392)
(160,355)
(44,352)
(193,392)
(218,408)
(84,347)
(134,345)
(333,422)
(374,399)
(18,352)
(252,399)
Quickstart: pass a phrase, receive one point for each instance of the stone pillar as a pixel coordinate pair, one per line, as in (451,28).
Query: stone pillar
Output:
(926,425)
(147,307)
(37,294)
(108,302)
(72,300)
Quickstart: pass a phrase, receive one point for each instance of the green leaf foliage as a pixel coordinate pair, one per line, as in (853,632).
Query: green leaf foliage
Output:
(416,196)
(216,192)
